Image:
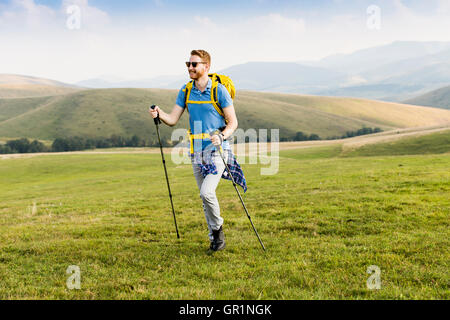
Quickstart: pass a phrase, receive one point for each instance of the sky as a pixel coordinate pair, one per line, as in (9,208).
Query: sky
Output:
(74,40)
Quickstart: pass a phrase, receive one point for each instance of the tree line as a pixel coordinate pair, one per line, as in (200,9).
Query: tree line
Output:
(77,144)
(360,132)
(301,136)
(115,141)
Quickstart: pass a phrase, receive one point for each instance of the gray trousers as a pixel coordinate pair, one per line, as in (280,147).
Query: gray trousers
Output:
(207,186)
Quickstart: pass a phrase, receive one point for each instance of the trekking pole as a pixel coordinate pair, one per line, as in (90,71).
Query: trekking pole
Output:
(157,123)
(239,194)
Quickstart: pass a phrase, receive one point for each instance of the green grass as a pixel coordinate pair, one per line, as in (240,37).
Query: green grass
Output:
(124,112)
(427,144)
(323,219)
(309,153)
(11,108)
(89,113)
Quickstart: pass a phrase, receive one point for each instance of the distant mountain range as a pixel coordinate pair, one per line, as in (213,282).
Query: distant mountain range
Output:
(373,58)
(400,71)
(394,72)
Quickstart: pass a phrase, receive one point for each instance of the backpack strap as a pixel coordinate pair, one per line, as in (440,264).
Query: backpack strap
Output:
(187,93)
(214,95)
(215,98)
(215,80)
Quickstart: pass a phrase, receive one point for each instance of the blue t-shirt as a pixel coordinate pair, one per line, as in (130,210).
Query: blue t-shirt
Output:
(203,117)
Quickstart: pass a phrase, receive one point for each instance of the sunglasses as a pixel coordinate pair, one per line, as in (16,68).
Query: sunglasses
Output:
(194,64)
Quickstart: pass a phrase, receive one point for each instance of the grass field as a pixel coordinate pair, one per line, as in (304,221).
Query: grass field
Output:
(324,220)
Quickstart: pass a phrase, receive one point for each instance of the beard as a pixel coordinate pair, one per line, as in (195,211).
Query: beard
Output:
(195,74)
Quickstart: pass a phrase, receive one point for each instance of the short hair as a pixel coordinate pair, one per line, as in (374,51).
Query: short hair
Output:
(202,54)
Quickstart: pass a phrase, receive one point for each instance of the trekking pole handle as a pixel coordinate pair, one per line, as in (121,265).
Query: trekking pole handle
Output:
(221,136)
(157,120)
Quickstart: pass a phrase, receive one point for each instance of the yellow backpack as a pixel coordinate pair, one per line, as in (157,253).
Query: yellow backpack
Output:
(216,79)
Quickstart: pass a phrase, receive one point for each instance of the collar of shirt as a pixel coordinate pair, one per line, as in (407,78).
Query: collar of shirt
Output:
(207,89)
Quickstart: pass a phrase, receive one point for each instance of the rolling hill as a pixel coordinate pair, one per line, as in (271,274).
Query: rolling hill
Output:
(439,98)
(409,141)
(18,86)
(103,112)
(431,143)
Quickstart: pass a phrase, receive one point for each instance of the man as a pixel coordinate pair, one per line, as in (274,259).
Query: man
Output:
(204,119)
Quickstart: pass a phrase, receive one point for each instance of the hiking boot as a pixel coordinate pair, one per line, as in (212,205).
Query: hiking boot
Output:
(219,240)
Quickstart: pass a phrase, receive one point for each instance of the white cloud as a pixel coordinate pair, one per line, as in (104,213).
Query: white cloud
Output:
(273,27)
(35,40)
(409,24)
(25,13)
(443,7)
(205,23)
(91,17)
(267,37)
(279,25)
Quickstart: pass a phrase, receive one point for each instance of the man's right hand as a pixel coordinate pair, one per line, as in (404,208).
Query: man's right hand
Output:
(154,112)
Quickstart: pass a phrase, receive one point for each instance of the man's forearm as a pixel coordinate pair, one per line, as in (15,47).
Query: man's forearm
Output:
(229,129)
(166,118)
